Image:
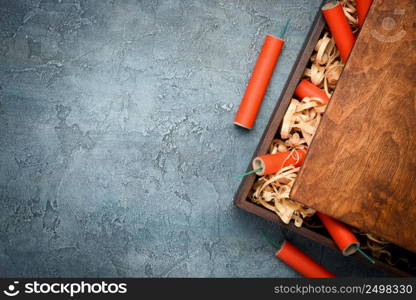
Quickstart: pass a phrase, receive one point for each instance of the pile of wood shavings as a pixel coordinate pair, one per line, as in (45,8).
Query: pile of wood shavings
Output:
(386,251)
(299,126)
(351,14)
(326,65)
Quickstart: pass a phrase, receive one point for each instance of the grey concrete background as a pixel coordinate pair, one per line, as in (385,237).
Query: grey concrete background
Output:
(117,149)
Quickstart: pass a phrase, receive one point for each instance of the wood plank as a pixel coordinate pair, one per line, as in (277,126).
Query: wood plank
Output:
(361,166)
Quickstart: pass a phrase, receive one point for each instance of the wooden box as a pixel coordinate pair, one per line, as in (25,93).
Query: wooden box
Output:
(241,197)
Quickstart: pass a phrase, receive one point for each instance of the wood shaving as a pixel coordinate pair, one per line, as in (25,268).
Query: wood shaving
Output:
(302,117)
(326,65)
(350,12)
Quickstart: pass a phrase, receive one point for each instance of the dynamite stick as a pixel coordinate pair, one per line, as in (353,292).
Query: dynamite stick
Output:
(342,236)
(362,9)
(298,260)
(272,163)
(307,89)
(339,27)
(260,78)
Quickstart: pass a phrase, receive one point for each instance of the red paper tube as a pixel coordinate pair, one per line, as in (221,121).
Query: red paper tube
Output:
(307,89)
(256,88)
(339,27)
(362,9)
(301,262)
(272,163)
(341,234)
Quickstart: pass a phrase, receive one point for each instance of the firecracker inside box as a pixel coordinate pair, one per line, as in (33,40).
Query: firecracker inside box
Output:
(296,121)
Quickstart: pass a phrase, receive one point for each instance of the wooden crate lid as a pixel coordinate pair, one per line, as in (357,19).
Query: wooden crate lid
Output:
(361,166)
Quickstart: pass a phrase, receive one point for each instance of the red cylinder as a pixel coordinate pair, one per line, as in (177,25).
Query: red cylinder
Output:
(256,88)
(301,262)
(307,89)
(341,234)
(340,29)
(363,7)
(272,163)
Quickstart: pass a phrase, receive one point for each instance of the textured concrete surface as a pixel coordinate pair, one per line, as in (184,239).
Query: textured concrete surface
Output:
(117,149)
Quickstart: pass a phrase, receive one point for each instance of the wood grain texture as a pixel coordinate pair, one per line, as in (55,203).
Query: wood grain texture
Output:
(361,166)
